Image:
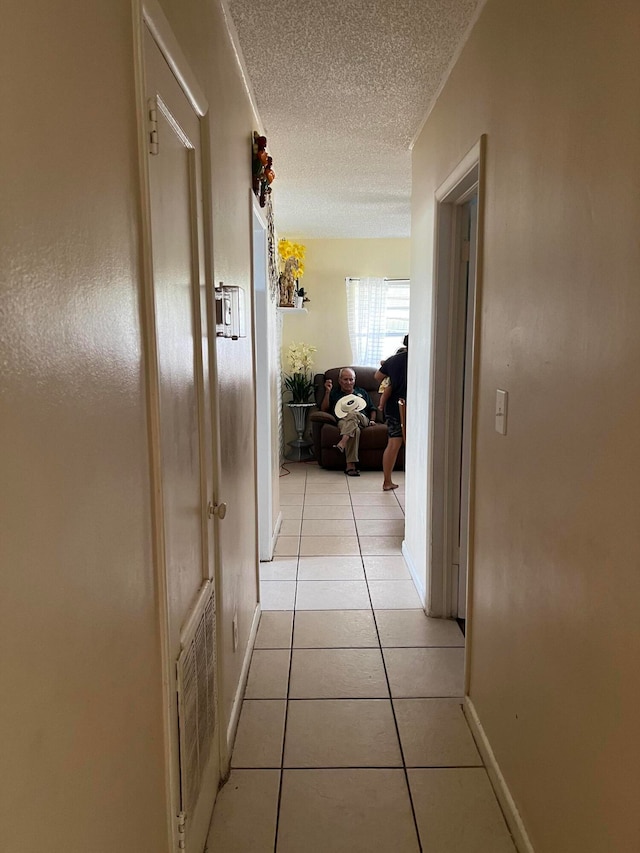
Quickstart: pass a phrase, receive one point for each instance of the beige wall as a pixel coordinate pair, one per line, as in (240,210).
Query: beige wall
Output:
(81,700)
(555,643)
(81,712)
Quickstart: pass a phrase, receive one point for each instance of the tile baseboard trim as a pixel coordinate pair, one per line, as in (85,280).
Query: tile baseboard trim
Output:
(498,782)
(414,574)
(234,717)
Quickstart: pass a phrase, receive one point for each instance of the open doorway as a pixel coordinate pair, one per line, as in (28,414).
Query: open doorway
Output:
(458,207)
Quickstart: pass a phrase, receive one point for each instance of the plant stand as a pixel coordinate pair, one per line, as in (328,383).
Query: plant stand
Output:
(300,446)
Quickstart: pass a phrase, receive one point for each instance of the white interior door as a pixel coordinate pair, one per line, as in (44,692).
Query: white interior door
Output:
(184,430)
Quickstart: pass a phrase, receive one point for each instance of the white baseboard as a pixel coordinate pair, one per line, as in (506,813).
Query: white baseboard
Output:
(242,683)
(511,813)
(414,574)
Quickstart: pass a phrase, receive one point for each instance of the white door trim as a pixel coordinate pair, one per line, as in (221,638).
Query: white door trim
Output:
(262,371)
(172,780)
(160,28)
(467,309)
(466,180)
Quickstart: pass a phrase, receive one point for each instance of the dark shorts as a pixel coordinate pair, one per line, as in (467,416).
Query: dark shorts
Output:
(394,426)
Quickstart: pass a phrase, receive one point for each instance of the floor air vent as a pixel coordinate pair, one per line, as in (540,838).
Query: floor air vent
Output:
(196,697)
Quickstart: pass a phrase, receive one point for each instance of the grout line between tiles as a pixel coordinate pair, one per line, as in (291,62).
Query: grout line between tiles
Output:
(367,767)
(346,698)
(353,767)
(286,707)
(341,698)
(395,722)
(275,648)
(333,648)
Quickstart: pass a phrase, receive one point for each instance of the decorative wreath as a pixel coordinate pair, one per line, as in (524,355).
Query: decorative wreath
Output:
(261,168)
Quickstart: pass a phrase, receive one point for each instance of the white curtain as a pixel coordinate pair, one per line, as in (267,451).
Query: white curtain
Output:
(367,317)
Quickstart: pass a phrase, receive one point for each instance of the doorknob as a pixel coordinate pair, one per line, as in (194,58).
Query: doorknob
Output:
(217,510)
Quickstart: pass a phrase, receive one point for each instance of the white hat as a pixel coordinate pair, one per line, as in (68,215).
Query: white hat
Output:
(349,403)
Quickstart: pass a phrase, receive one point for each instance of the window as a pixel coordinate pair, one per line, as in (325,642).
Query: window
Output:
(378,317)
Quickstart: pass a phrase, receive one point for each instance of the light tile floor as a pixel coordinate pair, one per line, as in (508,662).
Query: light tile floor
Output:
(351,736)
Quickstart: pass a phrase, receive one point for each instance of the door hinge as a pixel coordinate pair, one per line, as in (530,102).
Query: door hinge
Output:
(153,126)
(216,510)
(182,820)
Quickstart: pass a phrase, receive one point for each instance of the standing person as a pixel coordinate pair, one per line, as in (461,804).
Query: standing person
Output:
(385,386)
(395,368)
(352,414)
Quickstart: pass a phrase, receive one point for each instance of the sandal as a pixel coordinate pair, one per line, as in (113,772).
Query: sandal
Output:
(337,447)
(352,472)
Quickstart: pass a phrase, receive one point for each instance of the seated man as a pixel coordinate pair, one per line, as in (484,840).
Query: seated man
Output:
(352,416)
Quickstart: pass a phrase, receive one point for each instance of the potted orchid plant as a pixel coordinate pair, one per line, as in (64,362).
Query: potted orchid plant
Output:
(300,381)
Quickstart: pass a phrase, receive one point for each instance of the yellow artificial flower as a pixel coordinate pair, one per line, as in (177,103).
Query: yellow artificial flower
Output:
(287,249)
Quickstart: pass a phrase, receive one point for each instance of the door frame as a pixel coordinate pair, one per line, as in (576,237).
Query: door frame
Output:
(460,387)
(148,15)
(264,318)
(464,182)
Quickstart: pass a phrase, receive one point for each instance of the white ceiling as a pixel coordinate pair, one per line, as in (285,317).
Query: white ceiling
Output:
(342,87)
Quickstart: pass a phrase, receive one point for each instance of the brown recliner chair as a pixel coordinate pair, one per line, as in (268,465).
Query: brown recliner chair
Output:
(325,433)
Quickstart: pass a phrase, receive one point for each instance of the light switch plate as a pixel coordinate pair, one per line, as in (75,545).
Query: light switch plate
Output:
(502,400)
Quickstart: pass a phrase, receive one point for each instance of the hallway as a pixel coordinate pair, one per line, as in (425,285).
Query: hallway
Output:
(377,755)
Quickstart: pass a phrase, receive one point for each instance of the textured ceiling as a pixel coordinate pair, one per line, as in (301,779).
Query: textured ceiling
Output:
(342,87)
